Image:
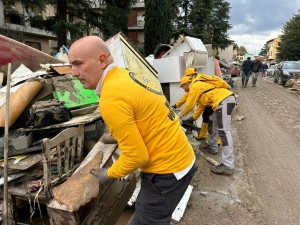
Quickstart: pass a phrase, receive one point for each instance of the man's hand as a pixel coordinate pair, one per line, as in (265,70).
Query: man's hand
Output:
(101,174)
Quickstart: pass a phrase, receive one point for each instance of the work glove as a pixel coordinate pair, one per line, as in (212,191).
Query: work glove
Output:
(189,120)
(101,175)
(174,107)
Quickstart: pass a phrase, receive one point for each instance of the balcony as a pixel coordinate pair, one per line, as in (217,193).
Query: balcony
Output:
(139,4)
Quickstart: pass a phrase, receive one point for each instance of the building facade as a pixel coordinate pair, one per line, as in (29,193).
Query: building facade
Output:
(272,48)
(136,24)
(13,24)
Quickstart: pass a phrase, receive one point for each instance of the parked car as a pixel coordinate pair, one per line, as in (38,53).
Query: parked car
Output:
(270,70)
(286,70)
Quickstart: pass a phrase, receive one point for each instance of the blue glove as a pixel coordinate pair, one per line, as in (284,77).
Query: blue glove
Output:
(101,175)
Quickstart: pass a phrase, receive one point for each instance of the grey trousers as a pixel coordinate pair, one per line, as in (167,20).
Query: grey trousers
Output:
(254,78)
(159,196)
(245,78)
(219,124)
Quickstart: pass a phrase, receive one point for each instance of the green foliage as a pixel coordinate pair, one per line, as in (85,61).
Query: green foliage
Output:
(220,24)
(207,20)
(200,19)
(41,23)
(27,3)
(114,14)
(289,47)
(264,50)
(157,24)
(64,21)
(181,10)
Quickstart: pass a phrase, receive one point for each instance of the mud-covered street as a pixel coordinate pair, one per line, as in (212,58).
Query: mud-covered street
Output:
(265,189)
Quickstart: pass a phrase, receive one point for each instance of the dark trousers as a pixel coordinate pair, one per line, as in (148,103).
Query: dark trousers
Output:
(159,196)
(206,114)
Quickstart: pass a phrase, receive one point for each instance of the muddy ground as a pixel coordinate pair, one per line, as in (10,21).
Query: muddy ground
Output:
(265,188)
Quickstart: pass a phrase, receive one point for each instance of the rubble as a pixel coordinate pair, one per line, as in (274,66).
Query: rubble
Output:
(293,84)
(43,159)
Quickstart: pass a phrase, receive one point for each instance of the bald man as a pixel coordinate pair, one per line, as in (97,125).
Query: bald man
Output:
(147,131)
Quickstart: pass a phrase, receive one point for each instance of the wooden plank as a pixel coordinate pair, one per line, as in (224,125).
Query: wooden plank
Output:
(83,119)
(26,163)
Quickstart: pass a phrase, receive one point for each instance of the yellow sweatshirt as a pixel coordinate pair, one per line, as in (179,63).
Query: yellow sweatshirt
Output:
(182,100)
(141,120)
(198,94)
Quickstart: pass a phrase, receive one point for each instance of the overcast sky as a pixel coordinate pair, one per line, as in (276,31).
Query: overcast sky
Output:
(254,22)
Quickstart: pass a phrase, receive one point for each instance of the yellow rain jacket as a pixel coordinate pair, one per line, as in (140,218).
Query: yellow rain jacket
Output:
(182,100)
(204,94)
(147,130)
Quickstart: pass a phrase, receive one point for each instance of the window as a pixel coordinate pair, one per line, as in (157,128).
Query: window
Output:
(33,44)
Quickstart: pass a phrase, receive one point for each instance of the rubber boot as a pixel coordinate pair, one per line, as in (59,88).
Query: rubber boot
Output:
(203,132)
(219,140)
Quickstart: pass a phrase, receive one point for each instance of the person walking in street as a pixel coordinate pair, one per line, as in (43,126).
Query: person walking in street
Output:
(264,68)
(222,101)
(256,68)
(246,71)
(147,130)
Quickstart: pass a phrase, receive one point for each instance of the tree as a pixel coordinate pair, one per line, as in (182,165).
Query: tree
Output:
(207,20)
(113,17)
(264,50)
(242,50)
(157,24)
(81,18)
(180,13)
(200,19)
(220,24)
(289,47)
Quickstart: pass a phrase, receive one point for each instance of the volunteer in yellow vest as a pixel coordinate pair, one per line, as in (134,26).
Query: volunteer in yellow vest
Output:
(222,102)
(191,73)
(208,110)
(146,128)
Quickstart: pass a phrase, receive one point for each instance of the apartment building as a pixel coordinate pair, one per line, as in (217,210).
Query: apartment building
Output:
(272,48)
(13,24)
(136,24)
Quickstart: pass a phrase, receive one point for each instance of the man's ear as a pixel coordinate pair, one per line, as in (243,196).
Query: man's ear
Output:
(103,60)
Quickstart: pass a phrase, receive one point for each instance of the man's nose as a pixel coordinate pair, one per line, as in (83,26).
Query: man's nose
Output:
(74,72)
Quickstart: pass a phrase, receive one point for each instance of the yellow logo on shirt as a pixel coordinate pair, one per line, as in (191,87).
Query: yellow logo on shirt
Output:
(150,83)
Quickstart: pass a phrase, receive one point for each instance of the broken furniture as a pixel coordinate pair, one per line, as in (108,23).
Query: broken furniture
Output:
(61,155)
(96,204)
(65,150)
